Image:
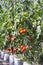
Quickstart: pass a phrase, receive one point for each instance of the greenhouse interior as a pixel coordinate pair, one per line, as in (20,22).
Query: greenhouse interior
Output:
(21,32)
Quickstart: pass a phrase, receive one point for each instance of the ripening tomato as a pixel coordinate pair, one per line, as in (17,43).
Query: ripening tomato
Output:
(21,28)
(14,38)
(9,37)
(21,31)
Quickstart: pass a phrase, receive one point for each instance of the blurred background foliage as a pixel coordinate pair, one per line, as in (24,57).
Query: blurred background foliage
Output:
(21,13)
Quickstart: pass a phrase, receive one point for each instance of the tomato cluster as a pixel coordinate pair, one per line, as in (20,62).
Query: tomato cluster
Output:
(23,48)
(22,31)
(10,38)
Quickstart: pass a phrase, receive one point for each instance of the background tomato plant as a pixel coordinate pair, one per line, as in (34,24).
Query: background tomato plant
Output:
(19,19)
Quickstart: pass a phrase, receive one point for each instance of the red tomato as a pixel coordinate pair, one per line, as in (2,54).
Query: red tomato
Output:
(21,46)
(15,50)
(9,49)
(23,49)
(14,38)
(24,30)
